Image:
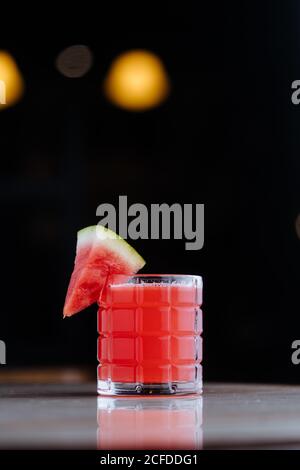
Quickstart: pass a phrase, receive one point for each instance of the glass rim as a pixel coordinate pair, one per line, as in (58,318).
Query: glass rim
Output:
(157,277)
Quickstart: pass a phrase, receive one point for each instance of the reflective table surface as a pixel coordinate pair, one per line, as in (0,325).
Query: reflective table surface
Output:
(50,416)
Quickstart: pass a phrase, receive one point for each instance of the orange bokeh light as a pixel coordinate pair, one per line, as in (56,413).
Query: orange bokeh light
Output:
(136,81)
(11,81)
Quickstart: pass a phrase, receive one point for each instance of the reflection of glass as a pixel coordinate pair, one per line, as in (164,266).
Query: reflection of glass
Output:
(150,423)
(150,335)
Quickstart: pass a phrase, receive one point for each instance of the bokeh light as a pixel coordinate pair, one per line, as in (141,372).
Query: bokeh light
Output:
(74,61)
(137,81)
(11,81)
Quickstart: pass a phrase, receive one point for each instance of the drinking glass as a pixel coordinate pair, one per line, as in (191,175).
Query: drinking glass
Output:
(150,335)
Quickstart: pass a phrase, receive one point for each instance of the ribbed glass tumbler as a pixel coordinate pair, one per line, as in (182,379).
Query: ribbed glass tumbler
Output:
(150,335)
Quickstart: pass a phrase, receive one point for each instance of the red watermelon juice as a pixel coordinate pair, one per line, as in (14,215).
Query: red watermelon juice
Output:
(150,335)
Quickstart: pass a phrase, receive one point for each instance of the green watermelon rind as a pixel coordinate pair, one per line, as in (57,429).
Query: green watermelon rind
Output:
(112,240)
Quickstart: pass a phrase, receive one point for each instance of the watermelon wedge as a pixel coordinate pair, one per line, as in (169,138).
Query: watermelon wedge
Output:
(99,253)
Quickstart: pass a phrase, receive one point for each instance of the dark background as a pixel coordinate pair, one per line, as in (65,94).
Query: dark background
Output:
(228,137)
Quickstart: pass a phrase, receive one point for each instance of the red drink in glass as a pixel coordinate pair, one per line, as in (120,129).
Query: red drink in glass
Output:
(150,335)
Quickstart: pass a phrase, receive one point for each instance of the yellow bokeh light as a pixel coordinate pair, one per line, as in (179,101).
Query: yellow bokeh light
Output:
(11,81)
(137,81)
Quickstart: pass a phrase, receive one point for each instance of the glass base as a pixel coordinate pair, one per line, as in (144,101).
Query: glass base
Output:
(169,388)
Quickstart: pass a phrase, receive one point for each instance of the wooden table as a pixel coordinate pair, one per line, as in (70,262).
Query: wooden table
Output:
(60,416)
